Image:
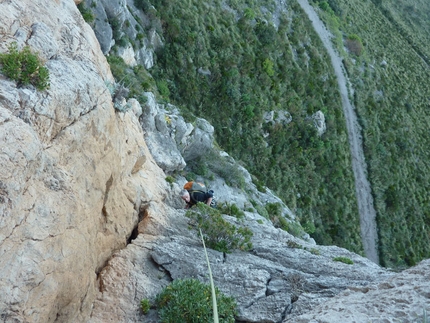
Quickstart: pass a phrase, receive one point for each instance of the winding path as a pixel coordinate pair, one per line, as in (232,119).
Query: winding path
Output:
(362,186)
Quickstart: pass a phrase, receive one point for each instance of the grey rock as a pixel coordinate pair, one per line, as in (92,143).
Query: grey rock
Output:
(183,131)
(274,275)
(43,41)
(145,56)
(135,107)
(199,142)
(281,117)
(154,40)
(160,135)
(401,298)
(319,122)
(128,55)
(102,28)
(268,116)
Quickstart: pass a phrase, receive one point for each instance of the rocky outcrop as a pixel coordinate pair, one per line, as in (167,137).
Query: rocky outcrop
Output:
(268,281)
(404,297)
(319,122)
(120,23)
(171,140)
(75,175)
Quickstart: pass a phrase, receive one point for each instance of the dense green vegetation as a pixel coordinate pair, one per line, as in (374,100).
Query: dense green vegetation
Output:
(189,300)
(218,234)
(392,93)
(228,62)
(24,67)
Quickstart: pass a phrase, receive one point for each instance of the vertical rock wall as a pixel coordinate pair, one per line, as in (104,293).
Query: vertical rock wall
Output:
(74,174)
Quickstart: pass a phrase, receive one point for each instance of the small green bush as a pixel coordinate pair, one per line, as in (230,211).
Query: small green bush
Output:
(218,234)
(86,13)
(309,227)
(344,260)
(163,89)
(231,209)
(145,305)
(189,300)
(293,244)
(268,67)
(354,44)
(314,251)
(170,179)
(24,67)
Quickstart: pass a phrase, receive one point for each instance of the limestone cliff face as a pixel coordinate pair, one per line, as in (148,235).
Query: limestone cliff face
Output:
(75,176)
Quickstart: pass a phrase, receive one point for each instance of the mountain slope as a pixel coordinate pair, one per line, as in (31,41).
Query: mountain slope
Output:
(391,97)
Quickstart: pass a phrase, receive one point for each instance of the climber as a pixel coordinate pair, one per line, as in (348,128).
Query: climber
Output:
(194,192)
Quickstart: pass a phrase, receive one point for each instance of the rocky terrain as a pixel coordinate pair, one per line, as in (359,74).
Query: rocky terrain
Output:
(89,225)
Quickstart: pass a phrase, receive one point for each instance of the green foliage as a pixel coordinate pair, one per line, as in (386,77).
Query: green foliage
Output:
(86,12)
(249,14)
(24,67)
(219,234)
(145,305)
(309,227)
(189,300)
(268,67)
(354,44)
(231,209)
(145,5)
(344,260)
(392,105)
(163,89)
(170,179)
(136,79)
(315,252)
(324,5)
(293,244)
(274,211)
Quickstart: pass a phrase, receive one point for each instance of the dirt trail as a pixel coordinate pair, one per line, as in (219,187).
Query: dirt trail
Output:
(362,186)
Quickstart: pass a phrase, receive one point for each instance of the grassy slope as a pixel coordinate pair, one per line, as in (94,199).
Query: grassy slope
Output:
(392,102)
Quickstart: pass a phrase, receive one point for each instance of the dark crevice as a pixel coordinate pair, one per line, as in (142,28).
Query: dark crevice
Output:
(162,268)
(108,186)
(104,212)
(99,274)
(133,234)
(100,283)
(267,287)
(287,311)
(143,213)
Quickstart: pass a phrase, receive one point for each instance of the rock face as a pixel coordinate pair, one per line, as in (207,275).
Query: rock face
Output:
(268,281)
(171,140)
(75,176)
(119,22)
(402,298)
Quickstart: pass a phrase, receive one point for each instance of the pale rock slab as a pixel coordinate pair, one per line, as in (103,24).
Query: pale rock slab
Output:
(72,169)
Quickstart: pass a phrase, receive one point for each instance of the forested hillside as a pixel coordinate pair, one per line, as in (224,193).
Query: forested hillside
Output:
(258,72)
(390,77)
